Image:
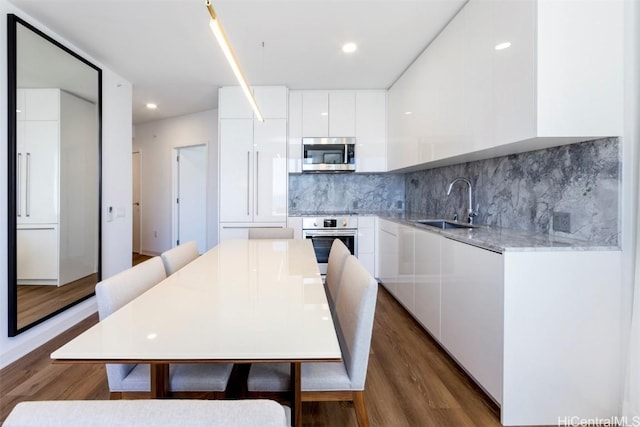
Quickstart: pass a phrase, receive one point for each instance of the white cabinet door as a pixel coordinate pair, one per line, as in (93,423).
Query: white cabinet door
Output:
(272,101)
(270,159)
(236,170)
(342,113)
(315,114)
(371,131)
(20,104)
(295,222)
(427,281)
(367,243)
(37,255)
(40,166)
(389,254)
(294,150)
(472,311)
(231,232)
(405,285)
(233,104)
(42,104)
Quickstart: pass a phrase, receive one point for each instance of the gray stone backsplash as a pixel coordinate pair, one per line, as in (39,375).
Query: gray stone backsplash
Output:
(523,191)
(345,192)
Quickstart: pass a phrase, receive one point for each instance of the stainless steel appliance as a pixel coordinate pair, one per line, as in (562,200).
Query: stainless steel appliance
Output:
(323,231)
(328,154)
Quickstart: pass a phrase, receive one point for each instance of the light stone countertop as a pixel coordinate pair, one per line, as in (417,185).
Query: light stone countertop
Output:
(495,239)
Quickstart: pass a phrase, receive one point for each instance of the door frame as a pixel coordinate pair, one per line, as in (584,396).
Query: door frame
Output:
(140,197)
(174,190)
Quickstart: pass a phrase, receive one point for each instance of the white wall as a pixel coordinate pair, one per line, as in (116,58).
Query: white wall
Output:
(156,141)
(116,190)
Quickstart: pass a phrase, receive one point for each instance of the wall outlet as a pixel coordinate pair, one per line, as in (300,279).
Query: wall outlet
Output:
(562,222)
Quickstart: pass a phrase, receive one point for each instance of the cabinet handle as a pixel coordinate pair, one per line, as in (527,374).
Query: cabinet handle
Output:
(248,179)
(28,189)
(19,186)
(257,185)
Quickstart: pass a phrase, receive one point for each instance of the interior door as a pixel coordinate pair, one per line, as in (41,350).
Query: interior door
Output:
(135,163)
(192,196)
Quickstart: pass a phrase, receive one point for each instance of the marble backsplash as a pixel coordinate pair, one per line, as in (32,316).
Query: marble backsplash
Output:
(345,192)
(522,191)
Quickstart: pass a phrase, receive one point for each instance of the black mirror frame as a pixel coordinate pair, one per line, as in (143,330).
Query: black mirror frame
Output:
(12,267)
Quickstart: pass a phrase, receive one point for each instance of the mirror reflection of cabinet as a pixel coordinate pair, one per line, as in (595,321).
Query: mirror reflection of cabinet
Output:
(55,194)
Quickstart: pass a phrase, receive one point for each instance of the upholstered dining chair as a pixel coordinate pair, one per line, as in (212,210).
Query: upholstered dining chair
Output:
(118,290)
(338,254)
(176,258)
(328,381)
(270,233)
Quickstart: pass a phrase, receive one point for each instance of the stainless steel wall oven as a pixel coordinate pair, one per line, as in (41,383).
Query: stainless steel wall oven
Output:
(323,231)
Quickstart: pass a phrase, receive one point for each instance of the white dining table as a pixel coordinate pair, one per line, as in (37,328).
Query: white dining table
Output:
(244,301)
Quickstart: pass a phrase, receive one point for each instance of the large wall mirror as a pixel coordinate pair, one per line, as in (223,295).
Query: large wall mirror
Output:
(54,141)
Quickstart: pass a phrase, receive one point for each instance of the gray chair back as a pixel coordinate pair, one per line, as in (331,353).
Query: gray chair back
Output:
(337,257)
(355,309)
(270,233)
(176,258)
(117,291)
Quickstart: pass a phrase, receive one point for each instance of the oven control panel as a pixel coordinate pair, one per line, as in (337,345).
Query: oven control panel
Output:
(329,223)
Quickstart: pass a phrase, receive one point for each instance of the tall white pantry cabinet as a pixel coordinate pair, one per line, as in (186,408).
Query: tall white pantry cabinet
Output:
(55,130)
(253,161)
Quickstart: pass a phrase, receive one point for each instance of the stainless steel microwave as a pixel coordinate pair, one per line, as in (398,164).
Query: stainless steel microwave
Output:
(328,154)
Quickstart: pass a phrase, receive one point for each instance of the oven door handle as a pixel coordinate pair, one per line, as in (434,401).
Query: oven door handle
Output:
(328,233)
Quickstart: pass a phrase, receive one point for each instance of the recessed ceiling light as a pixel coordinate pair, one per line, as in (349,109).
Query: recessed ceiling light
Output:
(408,113)
(502,46)
(349,47)
(151,106)
(324,113)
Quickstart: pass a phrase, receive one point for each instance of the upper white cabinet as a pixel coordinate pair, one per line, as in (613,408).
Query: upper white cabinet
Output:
(233,104)
(371,131)
(340,113)
(558,81)
(328,113)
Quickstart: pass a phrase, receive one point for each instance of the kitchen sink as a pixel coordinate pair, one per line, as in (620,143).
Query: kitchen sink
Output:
(442,223)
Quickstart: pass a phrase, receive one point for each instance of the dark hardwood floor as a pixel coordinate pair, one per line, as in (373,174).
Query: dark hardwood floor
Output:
(410,381)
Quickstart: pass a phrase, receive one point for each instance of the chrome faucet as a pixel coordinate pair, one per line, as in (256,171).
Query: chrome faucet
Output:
(470,212)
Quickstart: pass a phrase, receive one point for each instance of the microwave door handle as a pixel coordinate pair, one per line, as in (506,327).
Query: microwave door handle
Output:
(346,154)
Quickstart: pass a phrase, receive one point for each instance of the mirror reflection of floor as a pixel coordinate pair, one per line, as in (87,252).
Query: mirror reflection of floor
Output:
(38,301)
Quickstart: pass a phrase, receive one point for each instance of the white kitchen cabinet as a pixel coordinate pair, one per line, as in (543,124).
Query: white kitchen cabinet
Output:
(37,253)
(233,104)
(406,265)
(367,243)
(371,131)
(294,149)
(427,281)
(253,170)
(56,144)
(342,113)
(328,113)
(315,113)
(559,82)
(472,311)
(388,233)
(272,101)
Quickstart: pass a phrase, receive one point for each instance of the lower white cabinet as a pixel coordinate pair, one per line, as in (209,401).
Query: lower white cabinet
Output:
(230,231)
(471,311)
(537,329)
(427,281)
(37,254)
(367,243)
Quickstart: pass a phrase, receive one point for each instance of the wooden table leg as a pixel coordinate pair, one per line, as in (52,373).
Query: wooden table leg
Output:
(296,394)
(159,380)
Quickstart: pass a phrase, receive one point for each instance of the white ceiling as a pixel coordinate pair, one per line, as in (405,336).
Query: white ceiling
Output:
(167,51)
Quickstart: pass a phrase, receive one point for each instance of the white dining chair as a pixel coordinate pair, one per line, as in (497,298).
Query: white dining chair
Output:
(327,381)
(270,233)
(338,254)
(176,258)
(118,290)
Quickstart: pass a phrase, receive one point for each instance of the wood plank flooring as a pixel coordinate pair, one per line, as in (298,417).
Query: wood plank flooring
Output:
(411,381)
